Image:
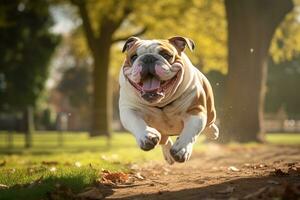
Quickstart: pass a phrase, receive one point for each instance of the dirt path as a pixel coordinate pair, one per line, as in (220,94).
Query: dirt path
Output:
(221,173)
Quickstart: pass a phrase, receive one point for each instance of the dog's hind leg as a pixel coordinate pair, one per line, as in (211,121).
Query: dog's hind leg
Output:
(166,144)
(211,132)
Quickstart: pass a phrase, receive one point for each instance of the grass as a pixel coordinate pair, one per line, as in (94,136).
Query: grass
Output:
(79,160)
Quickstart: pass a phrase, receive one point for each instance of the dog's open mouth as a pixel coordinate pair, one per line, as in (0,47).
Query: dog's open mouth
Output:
(152,88)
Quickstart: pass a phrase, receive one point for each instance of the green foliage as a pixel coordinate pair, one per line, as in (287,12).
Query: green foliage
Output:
(75,85)
(282,90)
(286,42)
(26,45)
(203,21)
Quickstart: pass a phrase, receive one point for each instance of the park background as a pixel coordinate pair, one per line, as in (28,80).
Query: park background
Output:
(60,61)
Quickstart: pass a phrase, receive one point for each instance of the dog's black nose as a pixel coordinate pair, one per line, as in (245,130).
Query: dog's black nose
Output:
(147,59)
(148,63)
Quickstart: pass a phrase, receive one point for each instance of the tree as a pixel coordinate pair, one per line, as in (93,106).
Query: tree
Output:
(26,46)
(251,26)
(282,90)
(100,36)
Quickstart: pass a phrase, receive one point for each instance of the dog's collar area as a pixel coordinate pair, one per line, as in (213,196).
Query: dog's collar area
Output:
(162,107)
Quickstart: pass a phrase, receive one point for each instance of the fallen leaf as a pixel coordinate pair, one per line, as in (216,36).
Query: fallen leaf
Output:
(116,177)
(291,164)
(261,166)
(247,165)
(105,182)
(2,186)
(294,171)
(228,190)
(49,163)
(233,169)
(279,172)
(91,194)
(67,164)
(139,176)
(3,163)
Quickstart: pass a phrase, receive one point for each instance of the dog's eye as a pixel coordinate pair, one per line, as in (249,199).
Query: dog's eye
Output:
(166,56)
(133,58)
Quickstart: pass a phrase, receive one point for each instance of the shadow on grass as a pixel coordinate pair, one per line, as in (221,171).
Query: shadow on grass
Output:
(242,187)
(65,186)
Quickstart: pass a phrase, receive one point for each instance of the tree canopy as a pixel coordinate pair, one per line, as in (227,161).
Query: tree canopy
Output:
(26,46)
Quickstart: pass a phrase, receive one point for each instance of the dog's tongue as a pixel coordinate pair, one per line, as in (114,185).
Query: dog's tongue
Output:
(151,84)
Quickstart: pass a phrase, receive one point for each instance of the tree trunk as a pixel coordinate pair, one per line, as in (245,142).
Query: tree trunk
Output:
(28,126)
(102,102)
(251,25)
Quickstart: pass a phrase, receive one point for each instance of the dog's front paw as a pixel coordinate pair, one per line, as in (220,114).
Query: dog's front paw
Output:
(181,152)
(149,139)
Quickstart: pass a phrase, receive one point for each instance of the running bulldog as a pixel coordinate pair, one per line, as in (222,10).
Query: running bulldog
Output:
(162,94)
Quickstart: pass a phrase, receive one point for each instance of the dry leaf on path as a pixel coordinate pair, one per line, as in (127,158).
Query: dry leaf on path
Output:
(233,169)
(294,171)
(112,178)
(139,176)
(49,163)
(91,194)
(279,172)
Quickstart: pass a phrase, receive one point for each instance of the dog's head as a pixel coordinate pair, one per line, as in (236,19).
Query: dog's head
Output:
(154,67)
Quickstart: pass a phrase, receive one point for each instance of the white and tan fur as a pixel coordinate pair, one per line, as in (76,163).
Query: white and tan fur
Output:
(186,110)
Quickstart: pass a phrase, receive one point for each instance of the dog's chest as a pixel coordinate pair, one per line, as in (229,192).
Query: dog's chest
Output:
(167,123)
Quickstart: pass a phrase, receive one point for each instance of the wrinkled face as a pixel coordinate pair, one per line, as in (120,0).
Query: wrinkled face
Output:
(153,67)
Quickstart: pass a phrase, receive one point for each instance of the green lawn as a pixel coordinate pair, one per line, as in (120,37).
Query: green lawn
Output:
(79,161)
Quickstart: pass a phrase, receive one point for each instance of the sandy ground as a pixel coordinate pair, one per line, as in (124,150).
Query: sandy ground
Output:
(220,172)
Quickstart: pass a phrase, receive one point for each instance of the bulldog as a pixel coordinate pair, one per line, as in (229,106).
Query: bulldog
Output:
(162,94)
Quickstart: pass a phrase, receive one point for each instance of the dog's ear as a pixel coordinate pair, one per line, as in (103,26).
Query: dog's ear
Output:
(129,42)
(180,43)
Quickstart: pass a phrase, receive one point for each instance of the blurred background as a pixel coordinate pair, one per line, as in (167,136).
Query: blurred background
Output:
(60,61)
